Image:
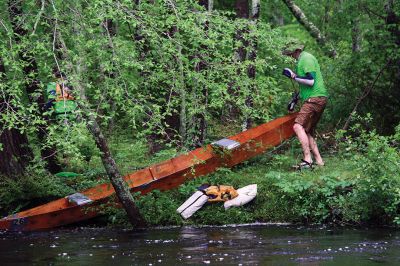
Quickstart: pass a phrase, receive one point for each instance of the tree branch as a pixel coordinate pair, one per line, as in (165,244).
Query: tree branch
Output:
(308,25)
(365,93)
(38,18)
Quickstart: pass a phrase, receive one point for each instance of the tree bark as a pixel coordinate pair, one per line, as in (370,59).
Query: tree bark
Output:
(252,55)
(308,25)
(119,185)
(199,120)
(15,153)
(182,94)
(249,10)
(110,31)
(31,72)
(242,8)
(356,35)
(153,144)
(155,139)
(393,20)
(208,4)
(303,20)
(255,9)
(240,54)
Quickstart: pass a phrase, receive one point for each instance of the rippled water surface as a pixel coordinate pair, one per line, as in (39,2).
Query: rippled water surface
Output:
(231,245)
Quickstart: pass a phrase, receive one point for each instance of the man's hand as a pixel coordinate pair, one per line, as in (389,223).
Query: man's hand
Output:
(293,101)
(289,73)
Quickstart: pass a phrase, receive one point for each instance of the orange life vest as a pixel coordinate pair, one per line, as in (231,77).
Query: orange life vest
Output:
(220,193)
(63,93)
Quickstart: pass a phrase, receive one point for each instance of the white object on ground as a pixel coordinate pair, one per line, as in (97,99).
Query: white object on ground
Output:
(246,194)
(192,204)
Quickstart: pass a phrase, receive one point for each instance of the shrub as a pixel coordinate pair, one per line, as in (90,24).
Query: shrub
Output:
(31,190)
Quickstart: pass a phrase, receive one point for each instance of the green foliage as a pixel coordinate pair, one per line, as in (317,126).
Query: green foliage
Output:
(157,68)
(31,190)
(321,199)
(360,185)
(75,146)
(161,69)
(377,158)
(159,208)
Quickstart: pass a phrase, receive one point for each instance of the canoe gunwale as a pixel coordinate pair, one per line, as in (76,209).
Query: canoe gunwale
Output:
(164,175)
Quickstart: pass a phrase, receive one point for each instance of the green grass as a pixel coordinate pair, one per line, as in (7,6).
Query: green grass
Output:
(358,185)
(323,195)
(337,193)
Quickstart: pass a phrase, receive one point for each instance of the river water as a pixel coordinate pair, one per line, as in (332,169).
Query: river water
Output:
(229,245)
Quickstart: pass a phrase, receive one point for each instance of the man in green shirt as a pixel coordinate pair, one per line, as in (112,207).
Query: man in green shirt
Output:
(314,96)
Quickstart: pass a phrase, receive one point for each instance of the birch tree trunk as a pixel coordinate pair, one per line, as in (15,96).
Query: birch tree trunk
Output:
(255,9)
(210,5)
(308,25)
(303,20)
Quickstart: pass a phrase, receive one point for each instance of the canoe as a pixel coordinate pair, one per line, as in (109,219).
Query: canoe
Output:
(162,176)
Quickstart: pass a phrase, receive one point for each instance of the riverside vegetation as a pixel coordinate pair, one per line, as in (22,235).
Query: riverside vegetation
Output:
(360,185)
(164,77)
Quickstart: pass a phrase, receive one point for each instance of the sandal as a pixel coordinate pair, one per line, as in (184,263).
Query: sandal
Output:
(303,165)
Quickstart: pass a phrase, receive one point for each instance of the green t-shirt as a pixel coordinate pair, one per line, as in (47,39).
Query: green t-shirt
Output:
(307,63)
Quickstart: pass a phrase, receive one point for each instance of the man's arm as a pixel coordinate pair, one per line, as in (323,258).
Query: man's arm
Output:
(51,98)
(49,104)
(307,80)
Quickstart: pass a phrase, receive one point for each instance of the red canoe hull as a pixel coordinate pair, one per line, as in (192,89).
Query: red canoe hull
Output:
(163,176)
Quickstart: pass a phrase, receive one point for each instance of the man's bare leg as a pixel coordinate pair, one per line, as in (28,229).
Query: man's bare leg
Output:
(303,138)
(315,151)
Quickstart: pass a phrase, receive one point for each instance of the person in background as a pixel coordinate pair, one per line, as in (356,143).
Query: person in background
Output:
(61,101)
(60,96)
(314,96)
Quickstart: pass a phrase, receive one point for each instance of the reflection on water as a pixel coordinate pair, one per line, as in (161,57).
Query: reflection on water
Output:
(232,245)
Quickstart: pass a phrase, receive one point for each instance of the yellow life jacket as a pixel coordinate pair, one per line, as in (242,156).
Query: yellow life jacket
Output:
(63,93)
(220,193)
